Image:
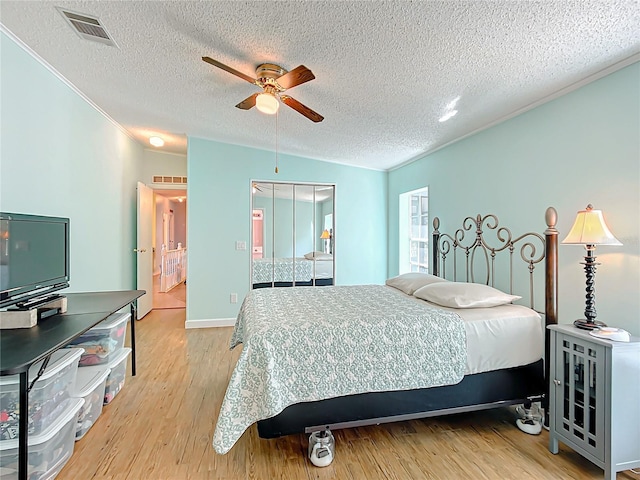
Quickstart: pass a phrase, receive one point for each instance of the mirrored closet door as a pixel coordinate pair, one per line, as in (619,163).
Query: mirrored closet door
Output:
(292,234)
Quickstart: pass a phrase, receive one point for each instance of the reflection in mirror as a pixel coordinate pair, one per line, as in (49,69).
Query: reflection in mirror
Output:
(292,238)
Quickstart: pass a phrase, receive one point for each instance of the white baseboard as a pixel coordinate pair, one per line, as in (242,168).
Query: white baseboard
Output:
(210,322)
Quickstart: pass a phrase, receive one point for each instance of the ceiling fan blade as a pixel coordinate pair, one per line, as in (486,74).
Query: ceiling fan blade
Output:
(295,77)
(300,108)
(229,69)
(248,102)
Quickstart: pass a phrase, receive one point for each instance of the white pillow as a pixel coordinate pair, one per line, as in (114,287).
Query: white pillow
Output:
(318,256)
(464,295)
(410,282)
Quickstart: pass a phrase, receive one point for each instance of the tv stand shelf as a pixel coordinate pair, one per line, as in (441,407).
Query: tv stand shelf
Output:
(21,348)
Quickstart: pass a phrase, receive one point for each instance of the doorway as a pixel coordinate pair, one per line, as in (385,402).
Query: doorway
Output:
(257,245)
(169,249)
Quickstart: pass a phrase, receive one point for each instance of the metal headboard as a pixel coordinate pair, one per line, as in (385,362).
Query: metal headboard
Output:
(480,239)
(445,245)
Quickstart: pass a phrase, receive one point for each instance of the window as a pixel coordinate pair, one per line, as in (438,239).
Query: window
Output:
(414,231)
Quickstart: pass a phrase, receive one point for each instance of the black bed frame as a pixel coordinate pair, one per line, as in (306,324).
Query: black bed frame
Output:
(475,392)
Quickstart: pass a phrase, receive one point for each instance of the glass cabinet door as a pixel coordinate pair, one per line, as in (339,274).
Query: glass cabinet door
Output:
(582,399)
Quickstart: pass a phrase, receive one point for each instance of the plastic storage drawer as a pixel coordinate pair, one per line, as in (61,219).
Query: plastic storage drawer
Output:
(48,397)
(90,384)
(48,452)
(117,376)
(103,341)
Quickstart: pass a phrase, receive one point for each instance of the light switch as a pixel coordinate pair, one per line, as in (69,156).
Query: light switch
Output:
(241,245)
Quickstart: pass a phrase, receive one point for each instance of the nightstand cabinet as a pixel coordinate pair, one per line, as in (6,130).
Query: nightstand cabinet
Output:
(594,401)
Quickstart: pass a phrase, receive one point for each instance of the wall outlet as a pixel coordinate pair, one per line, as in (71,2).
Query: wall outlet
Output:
(233,298)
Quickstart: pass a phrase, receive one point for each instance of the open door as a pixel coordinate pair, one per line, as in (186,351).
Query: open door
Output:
(144,248)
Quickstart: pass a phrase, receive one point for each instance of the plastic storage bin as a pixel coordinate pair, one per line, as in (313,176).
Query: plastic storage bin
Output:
(103,341)
(49,451)
(117,376)
(90,384)
(48,397)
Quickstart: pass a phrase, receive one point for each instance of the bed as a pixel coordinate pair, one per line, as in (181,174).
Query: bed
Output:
(347,356)
(315,268)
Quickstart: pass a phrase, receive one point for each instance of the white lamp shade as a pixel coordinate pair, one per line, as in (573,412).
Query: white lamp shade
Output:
(267,103)
(590,229)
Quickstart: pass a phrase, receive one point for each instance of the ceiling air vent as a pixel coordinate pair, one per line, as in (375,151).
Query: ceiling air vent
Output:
(87,27)
(165,179)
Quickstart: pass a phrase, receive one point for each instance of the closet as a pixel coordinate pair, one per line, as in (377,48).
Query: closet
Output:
(292,234)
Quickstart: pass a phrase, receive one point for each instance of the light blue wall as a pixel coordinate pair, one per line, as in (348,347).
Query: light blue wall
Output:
(59,156)
(219,212)
(581,148)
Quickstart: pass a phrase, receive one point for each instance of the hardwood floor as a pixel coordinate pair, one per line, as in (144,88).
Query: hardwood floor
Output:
(160,427)
(174,298)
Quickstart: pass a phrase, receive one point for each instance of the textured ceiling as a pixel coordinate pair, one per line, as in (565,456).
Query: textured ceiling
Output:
(385,70)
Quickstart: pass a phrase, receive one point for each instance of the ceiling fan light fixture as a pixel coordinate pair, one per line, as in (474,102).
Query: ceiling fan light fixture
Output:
(267,103)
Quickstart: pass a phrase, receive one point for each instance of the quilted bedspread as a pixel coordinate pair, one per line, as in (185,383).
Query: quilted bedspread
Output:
(304,344)
(266,270)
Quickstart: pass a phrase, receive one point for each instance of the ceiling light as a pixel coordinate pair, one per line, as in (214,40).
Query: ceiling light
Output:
(452,104)
(267,103)
(156,141)
(448,115)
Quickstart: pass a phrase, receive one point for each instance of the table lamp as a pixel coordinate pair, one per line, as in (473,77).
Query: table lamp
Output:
(590,230)
(325,236)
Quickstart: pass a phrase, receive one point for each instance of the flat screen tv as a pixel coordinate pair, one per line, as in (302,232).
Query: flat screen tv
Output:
(34,257)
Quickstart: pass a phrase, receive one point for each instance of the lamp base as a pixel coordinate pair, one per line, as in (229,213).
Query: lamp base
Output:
(587,325)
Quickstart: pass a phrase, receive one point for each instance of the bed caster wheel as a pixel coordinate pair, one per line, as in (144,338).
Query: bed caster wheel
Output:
(530,426)
(321,448)
(531,418)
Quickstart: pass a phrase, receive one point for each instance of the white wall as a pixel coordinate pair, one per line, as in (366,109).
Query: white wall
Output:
(180,222)
(155,162)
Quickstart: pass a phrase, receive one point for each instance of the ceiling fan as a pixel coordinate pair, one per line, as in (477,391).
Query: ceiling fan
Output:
(273,80)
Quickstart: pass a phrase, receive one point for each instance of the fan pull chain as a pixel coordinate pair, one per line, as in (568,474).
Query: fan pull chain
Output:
(277,115)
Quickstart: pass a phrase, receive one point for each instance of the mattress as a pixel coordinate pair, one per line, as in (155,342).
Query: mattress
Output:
(498,337)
